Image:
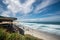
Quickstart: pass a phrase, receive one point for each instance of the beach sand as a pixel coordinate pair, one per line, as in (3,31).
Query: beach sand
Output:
(42,35)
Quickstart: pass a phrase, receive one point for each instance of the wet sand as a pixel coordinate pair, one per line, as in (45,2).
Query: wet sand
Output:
(42,35)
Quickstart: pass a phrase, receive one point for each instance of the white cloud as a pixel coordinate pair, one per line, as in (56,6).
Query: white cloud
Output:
(16,6)
(44,4)
(52,14)
(46,19)
(52,17)
(6,13)
(1,9)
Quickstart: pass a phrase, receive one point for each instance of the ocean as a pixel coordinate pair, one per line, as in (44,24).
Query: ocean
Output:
(50,28)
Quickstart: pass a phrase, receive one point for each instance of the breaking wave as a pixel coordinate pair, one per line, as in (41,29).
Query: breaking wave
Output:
(50,28)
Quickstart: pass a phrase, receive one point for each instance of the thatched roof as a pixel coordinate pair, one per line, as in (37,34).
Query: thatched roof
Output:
(7,18)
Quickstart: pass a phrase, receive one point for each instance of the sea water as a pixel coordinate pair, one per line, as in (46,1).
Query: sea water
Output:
(50,28)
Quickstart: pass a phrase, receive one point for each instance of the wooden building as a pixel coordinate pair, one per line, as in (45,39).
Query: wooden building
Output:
(7,22)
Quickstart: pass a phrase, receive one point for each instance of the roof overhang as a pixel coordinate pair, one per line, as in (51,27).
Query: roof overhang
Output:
(7,18)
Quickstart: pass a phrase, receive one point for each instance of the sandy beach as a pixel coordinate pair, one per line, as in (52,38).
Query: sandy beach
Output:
(42,35)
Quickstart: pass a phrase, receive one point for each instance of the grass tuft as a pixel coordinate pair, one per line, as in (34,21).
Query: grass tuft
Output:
(15,36)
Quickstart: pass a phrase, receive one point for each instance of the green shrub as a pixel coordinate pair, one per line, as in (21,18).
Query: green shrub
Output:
(29,37)
(15,36)
(2,34)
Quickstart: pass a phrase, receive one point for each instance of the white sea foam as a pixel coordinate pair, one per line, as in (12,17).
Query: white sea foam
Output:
(50,28)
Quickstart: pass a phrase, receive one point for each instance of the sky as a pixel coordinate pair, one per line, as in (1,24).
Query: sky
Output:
(31,10)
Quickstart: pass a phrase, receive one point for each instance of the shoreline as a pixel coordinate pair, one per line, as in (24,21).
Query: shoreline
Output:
(42,35)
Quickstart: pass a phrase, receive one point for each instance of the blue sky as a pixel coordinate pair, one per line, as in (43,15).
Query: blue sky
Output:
(31,10)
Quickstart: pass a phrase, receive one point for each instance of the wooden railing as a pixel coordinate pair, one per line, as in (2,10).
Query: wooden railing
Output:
(7,22)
